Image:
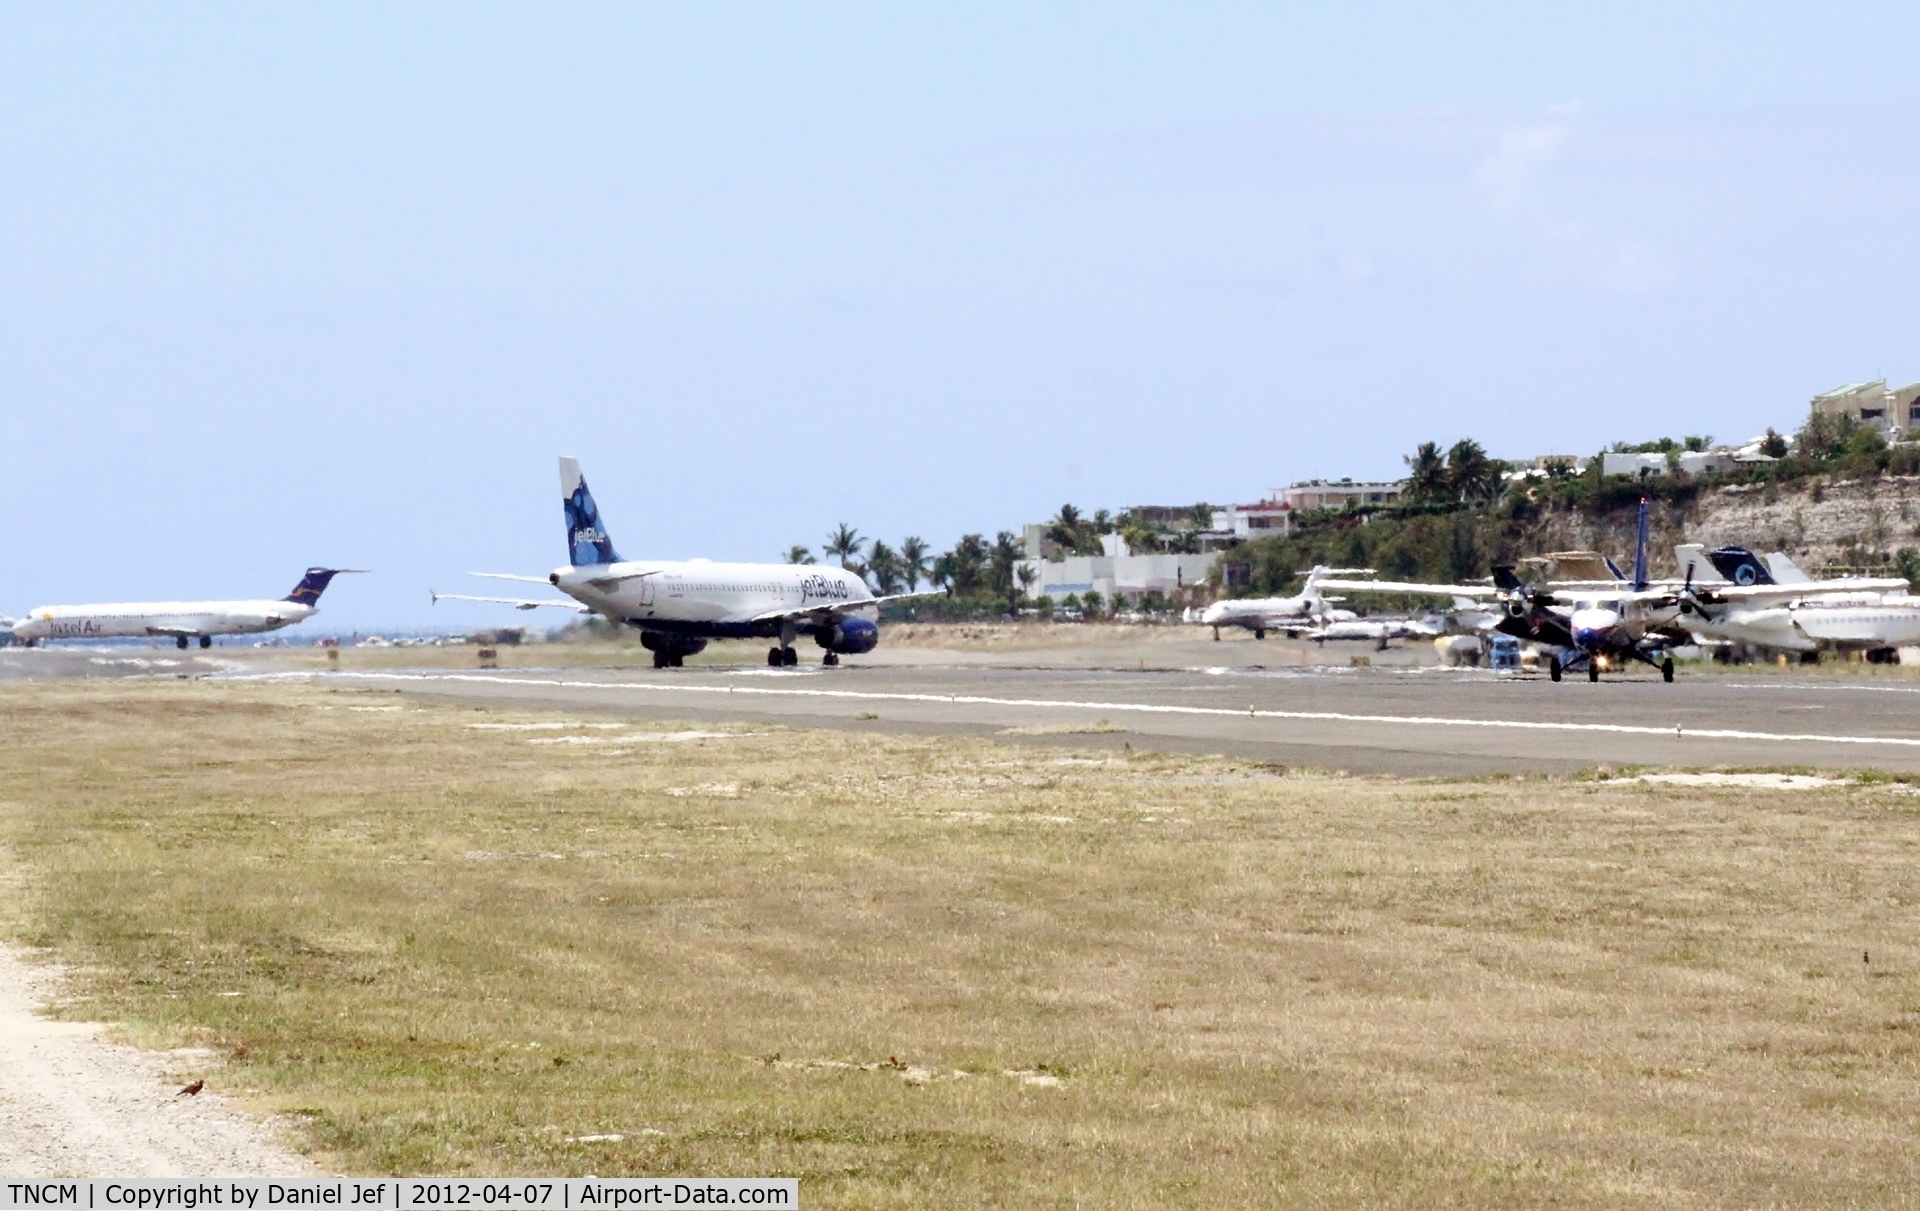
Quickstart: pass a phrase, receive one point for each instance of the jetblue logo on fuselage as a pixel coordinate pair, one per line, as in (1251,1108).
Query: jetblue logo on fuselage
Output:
(824,588)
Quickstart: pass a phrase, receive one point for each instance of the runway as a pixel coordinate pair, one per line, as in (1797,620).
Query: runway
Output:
(1410,721)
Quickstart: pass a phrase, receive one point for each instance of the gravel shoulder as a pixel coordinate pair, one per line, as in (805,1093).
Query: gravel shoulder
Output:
(74,1105)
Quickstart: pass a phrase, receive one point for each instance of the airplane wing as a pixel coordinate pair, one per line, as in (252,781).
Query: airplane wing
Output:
(518,603)
(512,576)
(1400,586)
(173,632)
(836,607)
(1804,588)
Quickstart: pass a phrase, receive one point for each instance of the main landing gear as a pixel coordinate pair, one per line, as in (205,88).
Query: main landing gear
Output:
(831,659)
(1259,632)
(668,660)
(783,658)
(180,641)
(1553,667)
(206,641)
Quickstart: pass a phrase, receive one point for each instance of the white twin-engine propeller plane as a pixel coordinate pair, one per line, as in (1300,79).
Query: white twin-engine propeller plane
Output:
(678,606)
(182,621)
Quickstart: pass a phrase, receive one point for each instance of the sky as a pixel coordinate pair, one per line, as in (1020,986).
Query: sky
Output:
(334,284)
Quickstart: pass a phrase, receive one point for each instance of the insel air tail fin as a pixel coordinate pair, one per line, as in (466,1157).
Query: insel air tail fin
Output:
(1738,565)
(314,583)
(587,541)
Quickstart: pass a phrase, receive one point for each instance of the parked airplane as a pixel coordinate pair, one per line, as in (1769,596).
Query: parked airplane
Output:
(1378,630)
(1792,612)
(1599,626)
(181,620)
(678,606)
(1294,615)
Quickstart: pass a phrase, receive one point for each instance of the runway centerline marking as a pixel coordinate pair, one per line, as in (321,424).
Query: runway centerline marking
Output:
(1538,725)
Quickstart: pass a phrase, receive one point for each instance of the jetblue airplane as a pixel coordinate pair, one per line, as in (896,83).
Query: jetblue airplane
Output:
(181,620)
(678,606)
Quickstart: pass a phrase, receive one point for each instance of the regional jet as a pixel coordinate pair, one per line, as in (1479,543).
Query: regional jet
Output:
(678,606)
(181,621)
(1304,611)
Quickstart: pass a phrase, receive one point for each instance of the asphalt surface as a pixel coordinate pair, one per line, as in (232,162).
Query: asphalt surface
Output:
(1409,720)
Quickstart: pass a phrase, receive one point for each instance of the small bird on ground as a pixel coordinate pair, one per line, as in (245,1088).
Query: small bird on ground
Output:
(192,1089)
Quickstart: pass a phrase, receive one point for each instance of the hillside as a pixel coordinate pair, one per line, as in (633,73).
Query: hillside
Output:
(1842,520)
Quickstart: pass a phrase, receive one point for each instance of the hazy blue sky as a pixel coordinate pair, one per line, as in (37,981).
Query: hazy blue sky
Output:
(335,283)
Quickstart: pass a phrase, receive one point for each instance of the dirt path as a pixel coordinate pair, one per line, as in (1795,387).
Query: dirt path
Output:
(72,1105)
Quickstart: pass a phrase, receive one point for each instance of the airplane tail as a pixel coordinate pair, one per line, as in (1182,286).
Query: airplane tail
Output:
(1319,571)
(314,583)
(1695,567)
(1640,569)
(1503,577)
(1784,570)
(587,541)
(1740,566)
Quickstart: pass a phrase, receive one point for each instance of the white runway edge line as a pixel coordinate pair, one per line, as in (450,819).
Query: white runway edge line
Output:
(1531,725)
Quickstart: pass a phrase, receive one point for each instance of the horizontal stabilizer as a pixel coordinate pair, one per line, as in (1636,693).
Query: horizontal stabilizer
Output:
(518,603)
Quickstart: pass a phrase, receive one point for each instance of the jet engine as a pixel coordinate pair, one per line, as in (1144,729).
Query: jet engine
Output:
(671,645)
(848,637)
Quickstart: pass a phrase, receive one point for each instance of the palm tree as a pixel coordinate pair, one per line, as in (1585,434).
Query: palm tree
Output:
(1469,470)
(966,565)
(1072,532)
(799,554)
(1029,574)
(913,561)
(1001,562)
(844,543)
(884,567)
(1426,473)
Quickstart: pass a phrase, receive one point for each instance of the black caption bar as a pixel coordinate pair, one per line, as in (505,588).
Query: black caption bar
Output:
(402,1194)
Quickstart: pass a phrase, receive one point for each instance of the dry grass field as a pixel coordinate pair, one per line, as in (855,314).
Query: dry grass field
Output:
(930,972)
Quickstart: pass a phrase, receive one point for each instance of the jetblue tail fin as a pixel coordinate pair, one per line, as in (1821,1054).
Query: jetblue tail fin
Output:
(587,541)
(1640,570)
(1503,577)
(314,583)
(1739,565)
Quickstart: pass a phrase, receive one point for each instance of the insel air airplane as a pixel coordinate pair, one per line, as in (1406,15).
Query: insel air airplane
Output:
(182,620)
(679,606)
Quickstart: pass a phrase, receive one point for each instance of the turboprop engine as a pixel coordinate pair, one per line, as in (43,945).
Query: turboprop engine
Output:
(848,637)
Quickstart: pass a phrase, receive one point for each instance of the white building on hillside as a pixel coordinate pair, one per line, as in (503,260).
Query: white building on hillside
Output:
(1117,573)
(1896,410)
